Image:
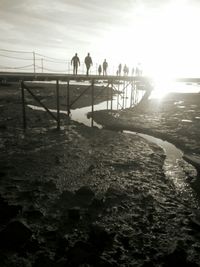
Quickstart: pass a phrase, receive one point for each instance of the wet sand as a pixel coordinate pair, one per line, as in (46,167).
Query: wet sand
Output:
(88,197)
(175,118)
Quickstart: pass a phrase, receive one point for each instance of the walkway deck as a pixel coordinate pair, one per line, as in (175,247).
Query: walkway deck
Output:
(66,77)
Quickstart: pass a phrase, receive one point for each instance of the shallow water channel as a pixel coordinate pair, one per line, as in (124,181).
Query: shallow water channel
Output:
(174,166)
(176,169)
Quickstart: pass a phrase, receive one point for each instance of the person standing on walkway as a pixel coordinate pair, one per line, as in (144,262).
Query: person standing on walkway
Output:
(88,63)
(125,70)
(75,62)
(105,66)
(99,70)
(119,69)
(137,71)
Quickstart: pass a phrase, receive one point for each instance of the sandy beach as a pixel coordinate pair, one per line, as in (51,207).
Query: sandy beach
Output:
(94,197)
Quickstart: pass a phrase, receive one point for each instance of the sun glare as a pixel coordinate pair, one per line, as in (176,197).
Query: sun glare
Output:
(165,41)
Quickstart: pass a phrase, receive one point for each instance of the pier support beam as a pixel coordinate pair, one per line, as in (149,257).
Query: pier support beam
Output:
(23,105)
(92,95)
(58,104)
(68,96)
(111,96)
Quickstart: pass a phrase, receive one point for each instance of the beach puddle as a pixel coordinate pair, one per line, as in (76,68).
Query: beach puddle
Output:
(184,120)
(180,106)
(178,102)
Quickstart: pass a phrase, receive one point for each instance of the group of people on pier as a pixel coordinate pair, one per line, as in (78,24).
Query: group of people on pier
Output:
(135,71)
(75,61)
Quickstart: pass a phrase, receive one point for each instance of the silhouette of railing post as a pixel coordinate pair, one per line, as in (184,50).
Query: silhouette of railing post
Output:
(58,104)
(42,64)
(68,67)
(34,62)
(23,105)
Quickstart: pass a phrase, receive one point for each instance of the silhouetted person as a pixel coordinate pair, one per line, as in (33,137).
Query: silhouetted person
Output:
(137,71)
(133,71)
(105,66)
(125,70)
(120,69)
(140,69)
(88,63)
(117,73)
(76,62)
(99,69)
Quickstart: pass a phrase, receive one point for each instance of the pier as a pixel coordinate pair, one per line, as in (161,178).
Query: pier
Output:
(111,83)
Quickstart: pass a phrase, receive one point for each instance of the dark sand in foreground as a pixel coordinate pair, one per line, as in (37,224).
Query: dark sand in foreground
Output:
(89,197)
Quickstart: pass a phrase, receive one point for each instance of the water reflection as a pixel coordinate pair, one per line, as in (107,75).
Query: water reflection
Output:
(173,165)
(184,120)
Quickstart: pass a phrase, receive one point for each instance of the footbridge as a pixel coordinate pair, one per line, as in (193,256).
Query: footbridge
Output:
(122,86)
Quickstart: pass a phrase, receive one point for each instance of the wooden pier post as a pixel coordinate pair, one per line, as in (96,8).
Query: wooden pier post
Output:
(123,94)
(118,96)
(111,93)
(107,95)
(92,94)
(23,106)
(58,104)
(136,92)
(131,101)
(126,95)
(68,95)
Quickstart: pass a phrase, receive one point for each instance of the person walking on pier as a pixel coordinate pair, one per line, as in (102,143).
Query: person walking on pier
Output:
(88,63)
(99,70)
(76,62)
(105,66)
(133,71)
(125,70)
(119,69)
(137,71)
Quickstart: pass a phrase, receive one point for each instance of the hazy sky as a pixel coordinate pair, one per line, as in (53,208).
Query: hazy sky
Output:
(163,35)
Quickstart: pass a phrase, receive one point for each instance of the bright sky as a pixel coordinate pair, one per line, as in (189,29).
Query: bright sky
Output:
(161,34)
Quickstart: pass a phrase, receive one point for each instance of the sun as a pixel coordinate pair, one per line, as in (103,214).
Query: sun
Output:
(164,40)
